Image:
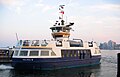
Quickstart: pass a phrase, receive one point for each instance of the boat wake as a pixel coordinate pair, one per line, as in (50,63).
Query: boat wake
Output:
(110,59)
(5,67)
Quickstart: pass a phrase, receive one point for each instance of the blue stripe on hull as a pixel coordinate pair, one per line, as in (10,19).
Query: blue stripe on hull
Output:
(53,63)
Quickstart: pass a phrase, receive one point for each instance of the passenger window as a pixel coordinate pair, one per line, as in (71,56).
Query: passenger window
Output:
(44,53)
(62,53)
(75,54)
(26,43)
(44,43)
(71,54)
(35,43)
(96,52)
(34,53)
(78,53)
(16,53)
(23,53)
(67,54)
(53,53)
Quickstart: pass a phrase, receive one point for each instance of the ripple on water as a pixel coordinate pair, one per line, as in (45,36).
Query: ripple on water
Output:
(5,67)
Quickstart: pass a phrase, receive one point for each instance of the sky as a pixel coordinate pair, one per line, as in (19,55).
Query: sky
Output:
(97,20)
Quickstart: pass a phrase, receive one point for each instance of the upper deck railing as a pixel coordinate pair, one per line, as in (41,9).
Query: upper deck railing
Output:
(22,43)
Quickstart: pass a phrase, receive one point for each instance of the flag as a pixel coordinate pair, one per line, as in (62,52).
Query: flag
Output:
(62,6)
(62,12)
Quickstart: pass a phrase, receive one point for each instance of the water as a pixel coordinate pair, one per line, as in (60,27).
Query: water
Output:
(107,68)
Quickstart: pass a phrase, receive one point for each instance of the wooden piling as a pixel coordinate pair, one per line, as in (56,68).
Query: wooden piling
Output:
(118,65)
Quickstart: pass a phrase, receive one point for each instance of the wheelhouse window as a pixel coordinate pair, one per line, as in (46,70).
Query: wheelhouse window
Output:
(44,53)
(34,53)
(57,29)
(54,30)
(16,53)
(23,53)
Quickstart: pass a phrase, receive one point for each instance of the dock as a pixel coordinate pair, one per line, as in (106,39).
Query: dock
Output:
(6,55)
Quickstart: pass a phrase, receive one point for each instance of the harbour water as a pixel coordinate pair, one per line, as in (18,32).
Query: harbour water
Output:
(107,68)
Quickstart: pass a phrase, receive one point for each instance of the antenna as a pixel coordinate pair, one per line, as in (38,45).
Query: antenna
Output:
(17,37)
(61,7)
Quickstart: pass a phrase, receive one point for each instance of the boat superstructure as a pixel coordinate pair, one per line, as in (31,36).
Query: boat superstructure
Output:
(60,52)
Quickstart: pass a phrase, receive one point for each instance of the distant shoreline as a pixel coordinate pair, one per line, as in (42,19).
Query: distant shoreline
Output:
(109,49)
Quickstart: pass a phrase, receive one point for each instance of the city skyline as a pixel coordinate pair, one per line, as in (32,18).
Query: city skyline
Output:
(110,45)
(97,20)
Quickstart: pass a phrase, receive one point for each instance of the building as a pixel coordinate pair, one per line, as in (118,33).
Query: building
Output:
(110,45)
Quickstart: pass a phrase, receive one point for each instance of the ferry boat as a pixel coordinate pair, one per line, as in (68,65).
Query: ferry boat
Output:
(59,52)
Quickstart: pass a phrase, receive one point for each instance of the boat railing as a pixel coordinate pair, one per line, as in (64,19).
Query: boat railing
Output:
(32,43)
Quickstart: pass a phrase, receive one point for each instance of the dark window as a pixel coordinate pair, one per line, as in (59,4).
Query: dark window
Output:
(16,53)
(34,53)
(44,53)
(88,52)
(35,43)
(62,53)
(75,53)
(85,54)
(26,43)
(78,53)
(23,53)
(82,54)
(65,53)
(71,55)
(59,43)
(90,44)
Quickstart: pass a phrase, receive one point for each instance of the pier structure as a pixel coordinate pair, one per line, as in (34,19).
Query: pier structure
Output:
(6,54)
(118,65)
